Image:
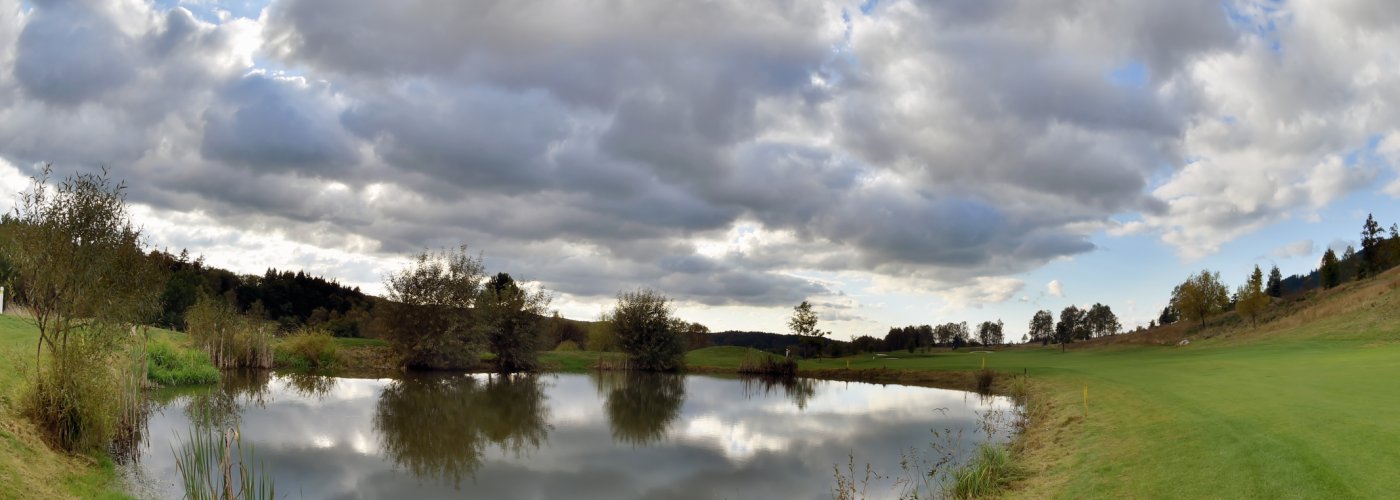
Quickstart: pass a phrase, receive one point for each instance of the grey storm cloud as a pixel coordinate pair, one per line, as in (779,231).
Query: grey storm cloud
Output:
(70,52)
(589,145)
(269,123)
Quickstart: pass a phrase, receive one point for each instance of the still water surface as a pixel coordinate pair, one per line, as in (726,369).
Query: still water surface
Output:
(603,436)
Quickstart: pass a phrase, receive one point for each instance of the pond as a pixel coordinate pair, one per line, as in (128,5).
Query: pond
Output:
(607,436)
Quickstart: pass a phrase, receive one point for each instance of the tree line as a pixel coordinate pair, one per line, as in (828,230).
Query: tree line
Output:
(1205,294)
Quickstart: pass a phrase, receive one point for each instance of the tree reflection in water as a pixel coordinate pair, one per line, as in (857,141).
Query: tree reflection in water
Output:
(221,407)
(799,390)
(641,405)
(439,426)
(310,385)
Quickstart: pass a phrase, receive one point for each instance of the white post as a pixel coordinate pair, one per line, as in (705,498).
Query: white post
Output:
(2,300)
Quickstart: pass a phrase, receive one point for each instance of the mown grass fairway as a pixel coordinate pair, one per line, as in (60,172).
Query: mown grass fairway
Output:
(1301,408)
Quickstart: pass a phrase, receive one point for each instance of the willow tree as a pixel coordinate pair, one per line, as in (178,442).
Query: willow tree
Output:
(80,271)
(428,317)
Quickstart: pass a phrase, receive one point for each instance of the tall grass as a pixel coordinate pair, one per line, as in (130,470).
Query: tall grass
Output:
(88,392)
(309,348)
(991,470)
(231,340)
(984,379)
(213,467)
(767,364)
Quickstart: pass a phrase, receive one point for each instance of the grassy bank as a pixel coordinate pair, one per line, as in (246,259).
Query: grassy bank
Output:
(28,467)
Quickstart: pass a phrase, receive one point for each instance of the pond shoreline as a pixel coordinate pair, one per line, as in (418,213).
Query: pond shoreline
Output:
(1034,435)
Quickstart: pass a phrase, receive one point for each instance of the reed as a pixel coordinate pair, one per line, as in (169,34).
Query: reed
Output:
(213,467)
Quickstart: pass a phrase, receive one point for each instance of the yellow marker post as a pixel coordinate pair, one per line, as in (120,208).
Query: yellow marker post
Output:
(1086,400)
(984,362)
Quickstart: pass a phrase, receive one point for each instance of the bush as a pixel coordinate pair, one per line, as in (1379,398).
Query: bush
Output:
(646,331)
(426,318)
(509,315)
(308,348)
(566,346)
(168,365)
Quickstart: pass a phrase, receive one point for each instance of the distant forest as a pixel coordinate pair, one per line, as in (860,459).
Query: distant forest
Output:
(289,298)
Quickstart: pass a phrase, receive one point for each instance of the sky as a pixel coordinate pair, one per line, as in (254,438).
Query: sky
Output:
(893,162)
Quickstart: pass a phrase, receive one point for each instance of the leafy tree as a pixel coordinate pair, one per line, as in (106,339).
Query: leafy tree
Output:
(79,268)
(696,336)
(1042,327)
(1070,326)
(646,331)
(1200,296)
(989,333)
(428,317)
(510,317)
(1275,285)
(1252,299)
(866,343)
(1101,322)
(1330,271)
(1371,253)
(804,324)
(602,337)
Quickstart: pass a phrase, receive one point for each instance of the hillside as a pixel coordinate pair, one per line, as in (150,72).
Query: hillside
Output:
(1298,407)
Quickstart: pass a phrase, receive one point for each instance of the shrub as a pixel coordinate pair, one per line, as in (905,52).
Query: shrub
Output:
(168,365)
(509,315)
(427,318)
(308,348)
(646,331)
(566,346)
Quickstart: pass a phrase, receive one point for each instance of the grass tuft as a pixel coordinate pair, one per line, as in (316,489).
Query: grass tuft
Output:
(171,366)
(991,470)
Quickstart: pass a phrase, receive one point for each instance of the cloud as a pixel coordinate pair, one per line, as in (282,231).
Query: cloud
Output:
(717,150)
(1300,248)
(982,291)
(1054,288)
